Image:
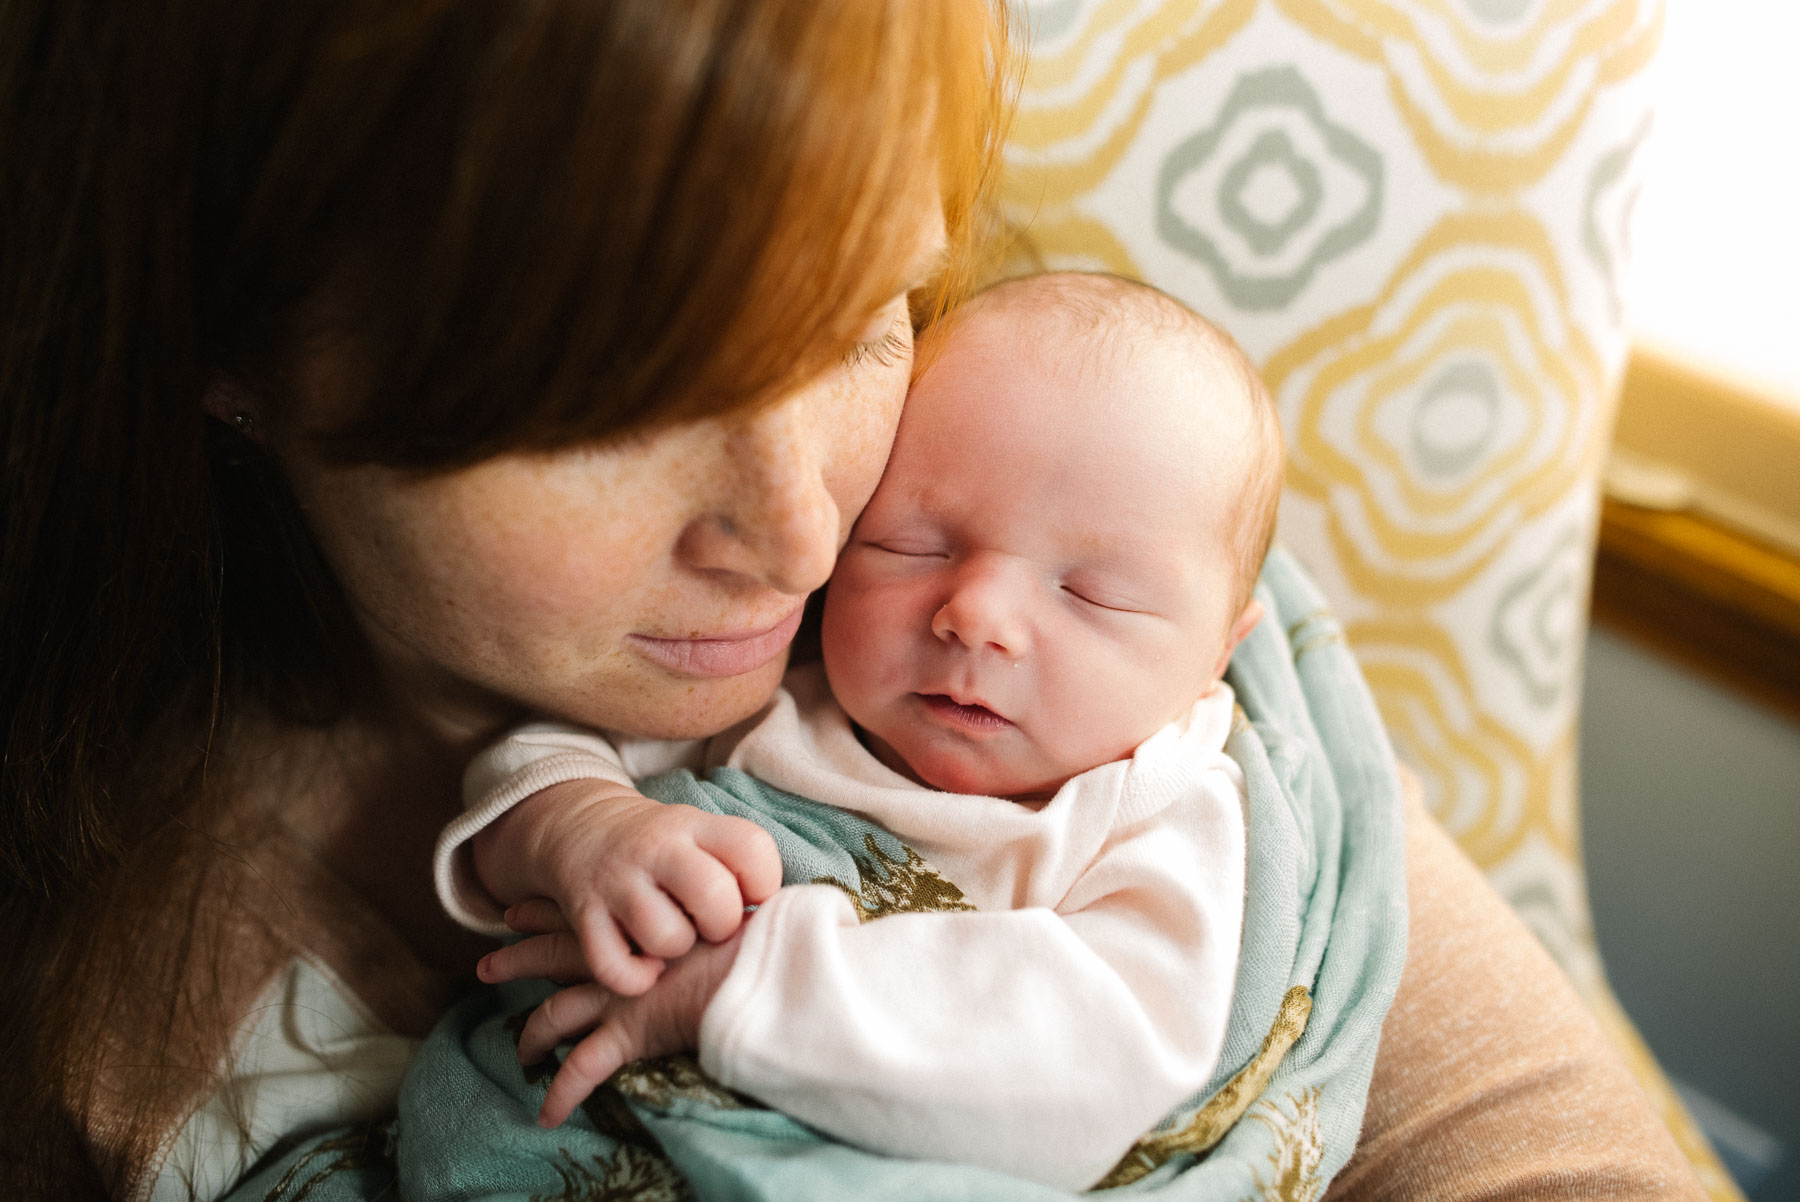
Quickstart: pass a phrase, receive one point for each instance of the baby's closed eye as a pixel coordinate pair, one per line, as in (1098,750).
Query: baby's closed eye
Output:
(910,548)
(1098,595)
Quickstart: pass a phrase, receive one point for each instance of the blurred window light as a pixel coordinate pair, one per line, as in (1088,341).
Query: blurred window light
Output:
(1716,272)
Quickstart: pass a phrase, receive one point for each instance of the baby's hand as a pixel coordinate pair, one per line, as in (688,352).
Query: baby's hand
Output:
(635,882)
(662,1020)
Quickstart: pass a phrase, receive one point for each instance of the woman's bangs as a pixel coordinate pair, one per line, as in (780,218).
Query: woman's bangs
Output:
(586,275)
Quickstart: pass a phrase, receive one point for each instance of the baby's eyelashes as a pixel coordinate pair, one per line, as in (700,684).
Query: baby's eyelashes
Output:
(1095,599)
(908,550)
(1081,596)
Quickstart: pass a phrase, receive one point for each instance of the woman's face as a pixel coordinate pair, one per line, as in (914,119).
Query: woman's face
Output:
(649,585)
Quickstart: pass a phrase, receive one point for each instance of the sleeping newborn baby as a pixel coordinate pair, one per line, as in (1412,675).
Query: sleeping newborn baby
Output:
(1016,736)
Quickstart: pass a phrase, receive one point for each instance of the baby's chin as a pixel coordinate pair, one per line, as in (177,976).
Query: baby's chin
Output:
(956,774)
(1008,787)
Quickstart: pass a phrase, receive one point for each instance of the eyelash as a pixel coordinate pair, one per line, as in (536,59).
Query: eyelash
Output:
(886,350)
(1096,604)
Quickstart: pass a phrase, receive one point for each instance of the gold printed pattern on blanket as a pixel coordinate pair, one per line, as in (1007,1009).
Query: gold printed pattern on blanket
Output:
(657,1081)
(630,1174)
(1299,1148)
(1209,1124)
(664,1079)
(347,1153)
(891,886)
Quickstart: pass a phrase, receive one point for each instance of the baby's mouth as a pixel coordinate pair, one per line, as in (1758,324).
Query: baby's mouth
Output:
(968,717)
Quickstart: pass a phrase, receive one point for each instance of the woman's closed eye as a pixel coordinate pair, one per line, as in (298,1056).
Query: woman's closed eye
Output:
(889,348)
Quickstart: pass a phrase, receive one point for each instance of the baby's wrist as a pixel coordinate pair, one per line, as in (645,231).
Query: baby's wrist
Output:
(516,856)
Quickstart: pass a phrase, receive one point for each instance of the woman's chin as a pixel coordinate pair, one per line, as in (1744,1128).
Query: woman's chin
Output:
(682,708)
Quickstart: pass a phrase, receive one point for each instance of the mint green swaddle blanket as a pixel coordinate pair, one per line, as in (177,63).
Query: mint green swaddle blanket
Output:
(1323,946)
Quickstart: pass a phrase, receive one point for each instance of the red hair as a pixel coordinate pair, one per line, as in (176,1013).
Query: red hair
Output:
(515,225)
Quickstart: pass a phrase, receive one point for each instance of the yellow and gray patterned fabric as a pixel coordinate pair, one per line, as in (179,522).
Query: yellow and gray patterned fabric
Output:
(1412,214)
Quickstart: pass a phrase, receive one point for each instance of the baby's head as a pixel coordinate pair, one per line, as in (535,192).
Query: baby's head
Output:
(1059,559)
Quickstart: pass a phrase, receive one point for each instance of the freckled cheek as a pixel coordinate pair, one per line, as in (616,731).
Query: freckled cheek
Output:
(551,588)
(864,427)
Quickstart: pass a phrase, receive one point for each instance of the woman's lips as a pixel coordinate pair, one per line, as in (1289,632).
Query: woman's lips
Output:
(729,655)
(965,717)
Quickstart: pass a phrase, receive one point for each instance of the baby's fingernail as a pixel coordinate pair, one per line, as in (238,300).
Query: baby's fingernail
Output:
(483,969)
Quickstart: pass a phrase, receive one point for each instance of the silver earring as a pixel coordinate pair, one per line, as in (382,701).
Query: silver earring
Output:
(245,423)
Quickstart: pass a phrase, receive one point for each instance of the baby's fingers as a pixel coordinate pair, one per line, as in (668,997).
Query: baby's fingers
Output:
(748,851)
(538,916)
(583,1071)
(560,1017)
(710,893)
(614,962)
(556,957)
(656,924)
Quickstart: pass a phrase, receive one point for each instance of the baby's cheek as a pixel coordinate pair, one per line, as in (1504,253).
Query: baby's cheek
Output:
(1105,714)
(884,686)
(860,621)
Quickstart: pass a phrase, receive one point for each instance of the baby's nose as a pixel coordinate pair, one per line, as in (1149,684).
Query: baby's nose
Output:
(981,614)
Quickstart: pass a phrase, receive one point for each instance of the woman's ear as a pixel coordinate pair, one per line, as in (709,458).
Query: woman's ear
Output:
(1240,629)
(227,400)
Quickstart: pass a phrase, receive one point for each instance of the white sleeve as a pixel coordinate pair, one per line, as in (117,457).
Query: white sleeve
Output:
(1037,1042)
(526,761)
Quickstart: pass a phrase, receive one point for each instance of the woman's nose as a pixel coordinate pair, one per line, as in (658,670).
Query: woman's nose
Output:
(776,520)
(982,613)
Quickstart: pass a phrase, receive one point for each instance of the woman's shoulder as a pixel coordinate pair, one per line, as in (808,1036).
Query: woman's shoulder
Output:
(292,997)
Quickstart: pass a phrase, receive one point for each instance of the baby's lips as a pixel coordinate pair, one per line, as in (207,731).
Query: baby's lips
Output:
(977,700)
(970,715)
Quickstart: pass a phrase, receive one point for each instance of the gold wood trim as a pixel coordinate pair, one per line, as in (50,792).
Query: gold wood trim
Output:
(1704,595)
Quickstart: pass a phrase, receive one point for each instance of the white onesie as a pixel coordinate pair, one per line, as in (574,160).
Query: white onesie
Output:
(1083,999)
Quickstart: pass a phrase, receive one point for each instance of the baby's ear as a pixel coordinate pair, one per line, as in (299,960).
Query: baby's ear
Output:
(1240,629)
